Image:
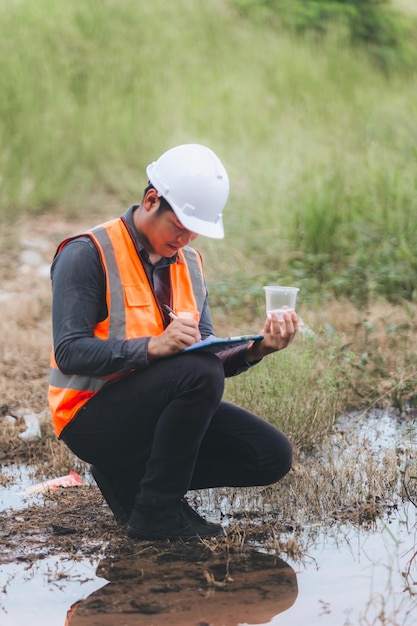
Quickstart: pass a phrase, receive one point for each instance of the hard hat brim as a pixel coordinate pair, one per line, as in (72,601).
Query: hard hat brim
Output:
(214,230)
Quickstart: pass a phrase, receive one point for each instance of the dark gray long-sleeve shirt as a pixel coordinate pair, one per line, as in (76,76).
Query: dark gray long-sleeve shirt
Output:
(79,303)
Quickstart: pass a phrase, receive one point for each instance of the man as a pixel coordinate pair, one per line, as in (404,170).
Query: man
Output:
(123,395)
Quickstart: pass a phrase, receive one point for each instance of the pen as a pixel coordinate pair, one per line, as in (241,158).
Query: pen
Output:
(169,311)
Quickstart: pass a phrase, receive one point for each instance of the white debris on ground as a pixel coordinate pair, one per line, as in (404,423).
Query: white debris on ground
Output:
(33,257)
(33,422)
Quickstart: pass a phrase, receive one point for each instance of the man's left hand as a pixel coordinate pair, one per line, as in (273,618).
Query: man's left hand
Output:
(278,333)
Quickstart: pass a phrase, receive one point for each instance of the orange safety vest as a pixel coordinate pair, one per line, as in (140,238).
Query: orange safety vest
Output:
(132,310)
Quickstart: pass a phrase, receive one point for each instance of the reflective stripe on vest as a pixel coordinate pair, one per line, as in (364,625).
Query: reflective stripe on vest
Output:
(78,383)
(118,313)
(132,310)
(196,275)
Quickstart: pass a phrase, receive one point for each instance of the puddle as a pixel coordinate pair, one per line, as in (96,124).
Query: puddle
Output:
(16,479)
(350,580)
(359,577)
(41,593)
(349,576)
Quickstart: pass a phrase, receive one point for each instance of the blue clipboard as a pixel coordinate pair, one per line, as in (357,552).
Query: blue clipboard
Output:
(218,344)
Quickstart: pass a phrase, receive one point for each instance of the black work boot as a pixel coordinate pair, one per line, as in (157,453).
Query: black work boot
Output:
(119,502)
(173,522)
(198,522)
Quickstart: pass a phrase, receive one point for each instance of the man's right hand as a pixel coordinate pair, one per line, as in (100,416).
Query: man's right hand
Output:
(180,334)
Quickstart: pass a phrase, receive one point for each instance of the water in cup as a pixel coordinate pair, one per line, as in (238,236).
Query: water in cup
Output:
(279,312)
(279,299)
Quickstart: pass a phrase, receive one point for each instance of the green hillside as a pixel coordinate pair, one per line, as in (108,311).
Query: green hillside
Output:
(318,136)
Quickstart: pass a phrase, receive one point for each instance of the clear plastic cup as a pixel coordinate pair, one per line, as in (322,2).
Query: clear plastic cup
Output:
(279,299)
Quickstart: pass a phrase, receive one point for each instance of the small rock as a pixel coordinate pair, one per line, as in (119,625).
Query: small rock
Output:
(32,258)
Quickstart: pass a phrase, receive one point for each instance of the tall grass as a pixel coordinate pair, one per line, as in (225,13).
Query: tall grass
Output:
(298,390)
(319,144)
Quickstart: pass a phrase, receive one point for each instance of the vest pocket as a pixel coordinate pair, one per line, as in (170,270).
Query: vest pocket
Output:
(137,295)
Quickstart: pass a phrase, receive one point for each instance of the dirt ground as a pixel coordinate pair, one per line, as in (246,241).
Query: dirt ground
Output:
(26,251)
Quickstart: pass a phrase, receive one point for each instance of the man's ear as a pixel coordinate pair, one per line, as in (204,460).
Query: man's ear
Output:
(151,200)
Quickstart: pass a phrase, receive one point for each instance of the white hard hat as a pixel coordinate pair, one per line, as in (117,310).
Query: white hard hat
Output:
(194,182)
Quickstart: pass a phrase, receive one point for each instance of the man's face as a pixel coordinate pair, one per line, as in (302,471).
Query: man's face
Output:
(162,232)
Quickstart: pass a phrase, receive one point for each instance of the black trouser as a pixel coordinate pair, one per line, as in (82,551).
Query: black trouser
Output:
(164,430)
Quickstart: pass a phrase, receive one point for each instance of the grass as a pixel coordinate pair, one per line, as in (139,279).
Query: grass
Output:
(296,390)
(319,143)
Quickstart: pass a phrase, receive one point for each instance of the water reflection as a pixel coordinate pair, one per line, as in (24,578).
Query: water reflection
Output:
(188,585)
(39,592)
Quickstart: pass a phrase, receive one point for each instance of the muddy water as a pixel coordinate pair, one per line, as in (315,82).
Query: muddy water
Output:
(349,581)
(349,577)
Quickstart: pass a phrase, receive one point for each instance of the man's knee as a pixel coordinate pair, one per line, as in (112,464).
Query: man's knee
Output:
(286,460)
(280,461)
(207,371)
